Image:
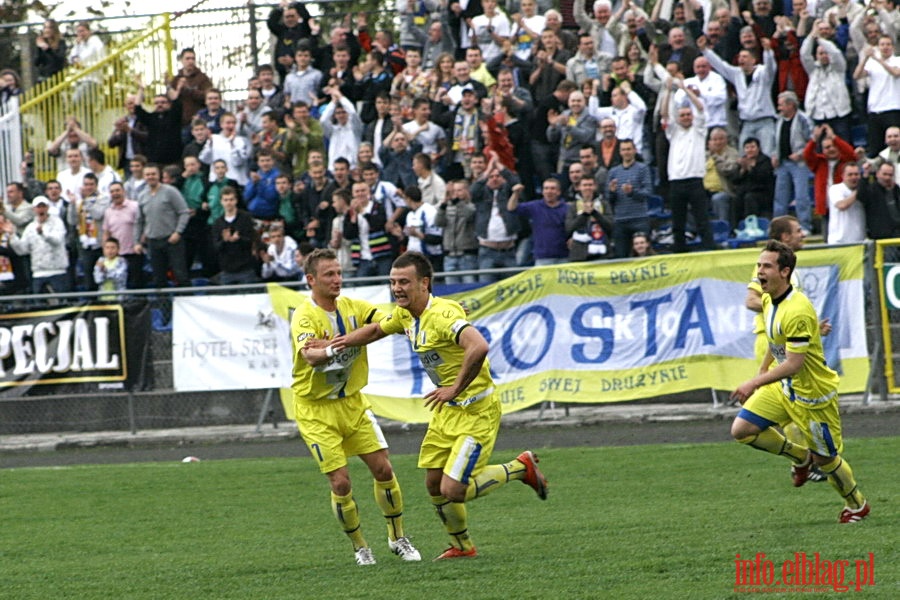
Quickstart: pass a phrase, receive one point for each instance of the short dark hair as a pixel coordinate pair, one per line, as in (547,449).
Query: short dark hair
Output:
(228,191)
(752,140)
(185,51)
(89,176)
(786,257)
(98,155)
(419,261)
(424,159)
(112,239)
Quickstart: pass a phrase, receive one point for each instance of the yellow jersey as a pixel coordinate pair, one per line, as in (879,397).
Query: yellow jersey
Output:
(434,337)
(347,372)
(792,326)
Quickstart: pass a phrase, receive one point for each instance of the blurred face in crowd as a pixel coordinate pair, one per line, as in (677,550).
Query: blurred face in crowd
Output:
(576,102)
(506,82)
(787,108)
(73,159)
(886,46)
(885,175)
(161,103)
(265,163)
(830,151)
(713,32)
(587,187)
(151,175)
(627,151)
(360,194)
(620,69)
(529,7)
(254,99)
(608,129)
(53,191)
(586,45)
(341,171)
(851,176)
(473,58)
(478,164)
(303,58)
(746,61)
(551,191)
(794,236)
(751,150)
(229,124)
(188,62)
(213,101)
(576,172)
(88,187)
(676,38)
(365,154)
(701,67)
(82,33)
(137,169)
(14,195)
(341,115)
(229,203)
(317,172)
(588,159)
(762,7)
(200,133)
(116,193)
(461,70)
(291,17)
(685,117)
(822,55)
(191,165)
(718,141)
(602,13)
(220,169)
(469,100)
(619,98)
(282,185)
(266,78)
(640,244)
(549,40)
(892,138)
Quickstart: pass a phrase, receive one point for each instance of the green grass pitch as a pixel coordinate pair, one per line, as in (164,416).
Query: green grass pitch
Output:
(642,522)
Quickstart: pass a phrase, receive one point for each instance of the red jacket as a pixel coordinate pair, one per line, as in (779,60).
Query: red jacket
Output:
(818,164)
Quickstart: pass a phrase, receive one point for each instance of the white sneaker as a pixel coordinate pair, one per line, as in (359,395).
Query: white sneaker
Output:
(404,549)
(364,556)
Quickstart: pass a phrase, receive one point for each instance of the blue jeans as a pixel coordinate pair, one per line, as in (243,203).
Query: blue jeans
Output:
(463,262)
(763,130)
(52,284)
(792,183)
(721,206)
(488,258)
(376,267)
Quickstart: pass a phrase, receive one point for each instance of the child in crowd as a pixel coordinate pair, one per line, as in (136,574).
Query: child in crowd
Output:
(111,270)
(278,259)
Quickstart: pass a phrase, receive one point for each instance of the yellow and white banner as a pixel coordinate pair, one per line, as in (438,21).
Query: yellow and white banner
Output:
(608,332)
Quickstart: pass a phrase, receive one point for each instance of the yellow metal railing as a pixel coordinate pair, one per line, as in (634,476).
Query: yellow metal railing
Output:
(94,95)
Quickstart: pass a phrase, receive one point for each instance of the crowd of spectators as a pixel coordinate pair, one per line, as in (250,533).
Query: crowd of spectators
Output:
(483,135)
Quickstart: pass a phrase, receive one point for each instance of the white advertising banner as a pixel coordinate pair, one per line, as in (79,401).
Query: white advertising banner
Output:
(229,343)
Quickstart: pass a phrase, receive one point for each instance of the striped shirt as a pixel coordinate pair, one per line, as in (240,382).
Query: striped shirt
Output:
(633,205)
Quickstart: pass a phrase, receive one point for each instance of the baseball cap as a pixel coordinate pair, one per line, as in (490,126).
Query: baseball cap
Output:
(40,200)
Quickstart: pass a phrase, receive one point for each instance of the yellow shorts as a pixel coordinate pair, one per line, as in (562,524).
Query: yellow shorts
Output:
(461,441)
(336,429)
(821,426)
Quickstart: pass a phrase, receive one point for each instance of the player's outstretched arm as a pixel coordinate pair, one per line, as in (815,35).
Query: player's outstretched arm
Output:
(359,337)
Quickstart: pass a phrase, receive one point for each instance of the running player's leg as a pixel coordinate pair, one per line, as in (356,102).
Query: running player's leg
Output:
(753,425)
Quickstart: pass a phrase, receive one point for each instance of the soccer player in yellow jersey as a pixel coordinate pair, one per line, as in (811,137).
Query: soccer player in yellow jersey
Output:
(466,410)
(334,418)
(785,229)
(801,382)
